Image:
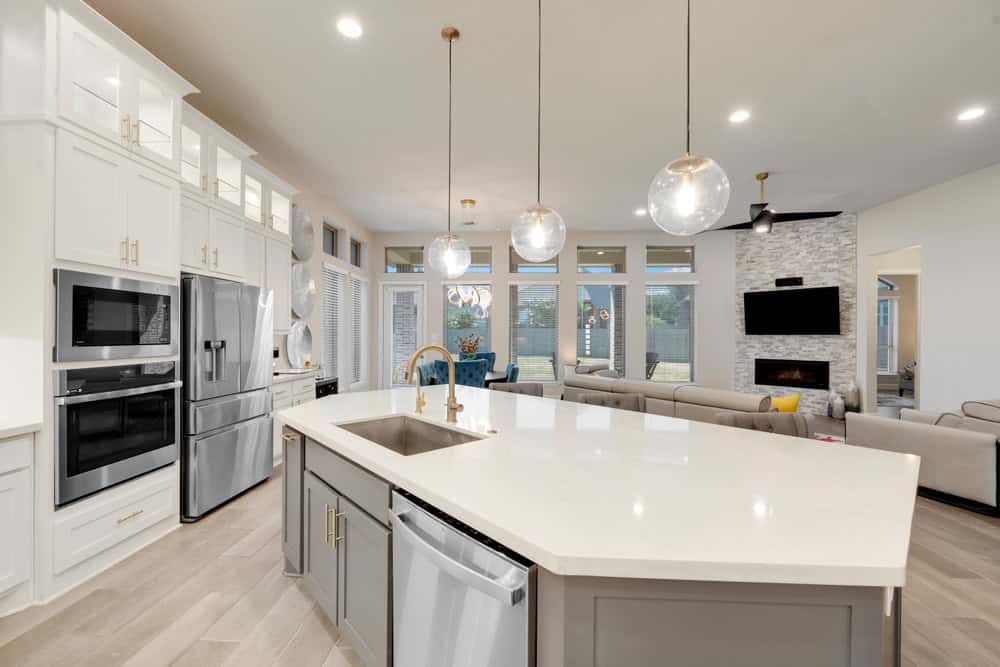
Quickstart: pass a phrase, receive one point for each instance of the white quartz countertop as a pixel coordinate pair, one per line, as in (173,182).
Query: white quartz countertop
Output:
(589,491)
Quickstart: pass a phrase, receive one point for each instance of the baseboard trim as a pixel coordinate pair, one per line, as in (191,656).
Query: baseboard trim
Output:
(959,501)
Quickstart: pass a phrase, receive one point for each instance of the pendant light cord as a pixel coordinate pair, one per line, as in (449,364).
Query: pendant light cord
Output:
(538,146)
(688,144)
(451,43)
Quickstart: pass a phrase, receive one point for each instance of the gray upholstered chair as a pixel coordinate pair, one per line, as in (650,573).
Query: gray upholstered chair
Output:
(527,388)
(633,402)
(783,423)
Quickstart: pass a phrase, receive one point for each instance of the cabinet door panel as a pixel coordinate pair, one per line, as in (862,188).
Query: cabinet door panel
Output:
(153,130)
(15,526)
(364,584)
(226,237)
(152,223)
(279,278)
(319,543)
(254,255)
(91,75)
(194,235)
(90,202)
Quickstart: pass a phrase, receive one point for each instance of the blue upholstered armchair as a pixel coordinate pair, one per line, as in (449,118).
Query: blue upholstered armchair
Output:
(428,374)
(512,372)
(470,372)
(490,357)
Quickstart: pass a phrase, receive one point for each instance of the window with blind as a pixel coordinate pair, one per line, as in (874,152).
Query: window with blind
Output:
(333,294)
(600,326)
(600,259)
(519,264)
(357,330)
(404,260)
(467,312)
(669,335)
(534,331)
(481,259)
(669,259)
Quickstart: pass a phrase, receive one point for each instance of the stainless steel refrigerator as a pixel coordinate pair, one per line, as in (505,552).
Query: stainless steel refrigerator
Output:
(228,331)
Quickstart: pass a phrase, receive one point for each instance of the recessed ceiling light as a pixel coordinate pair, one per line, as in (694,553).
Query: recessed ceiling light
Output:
(972,113)
(348,27)
(639,212)
(739,116)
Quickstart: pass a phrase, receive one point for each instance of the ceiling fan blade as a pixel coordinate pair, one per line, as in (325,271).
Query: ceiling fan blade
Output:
(804,215)
(742,225)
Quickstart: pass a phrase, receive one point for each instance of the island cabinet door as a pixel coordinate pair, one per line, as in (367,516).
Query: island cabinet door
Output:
(364,584)
(320,544)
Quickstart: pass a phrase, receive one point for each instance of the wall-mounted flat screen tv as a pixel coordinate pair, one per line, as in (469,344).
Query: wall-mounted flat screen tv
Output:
(811,311)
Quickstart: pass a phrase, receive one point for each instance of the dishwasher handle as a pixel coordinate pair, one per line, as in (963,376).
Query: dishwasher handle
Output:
(510,596)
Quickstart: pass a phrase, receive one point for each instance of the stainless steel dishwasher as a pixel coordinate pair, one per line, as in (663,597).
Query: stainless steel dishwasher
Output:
(459,599)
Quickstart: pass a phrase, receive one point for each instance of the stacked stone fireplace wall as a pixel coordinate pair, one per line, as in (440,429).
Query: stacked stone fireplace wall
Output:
(823,254)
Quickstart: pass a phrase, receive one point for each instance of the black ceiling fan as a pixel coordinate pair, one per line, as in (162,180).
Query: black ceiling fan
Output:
(762,218)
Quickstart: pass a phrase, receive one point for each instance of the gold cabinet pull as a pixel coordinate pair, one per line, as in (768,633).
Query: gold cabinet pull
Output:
(129,517)
(126,128)
(135,250)
(326,523)
(290,437)
(204,254)
(331,526)
(216,187)
(336,538)
(215,258)
(136,126)
(125,250)
(204,183)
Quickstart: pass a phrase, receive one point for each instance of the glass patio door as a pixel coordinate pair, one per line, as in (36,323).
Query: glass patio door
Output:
(402,329)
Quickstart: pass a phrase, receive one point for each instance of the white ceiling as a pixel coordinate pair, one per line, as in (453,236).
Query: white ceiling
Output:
(853,102)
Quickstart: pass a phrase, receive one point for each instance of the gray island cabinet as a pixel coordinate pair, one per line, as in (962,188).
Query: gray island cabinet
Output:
(336,537)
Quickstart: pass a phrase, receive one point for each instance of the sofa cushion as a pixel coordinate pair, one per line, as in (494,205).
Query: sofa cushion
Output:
(633,402)
(663,390)
(591,381)
(952,420)
(576,394)
(919,416)
(723,399)
(658,406)
(769,422)
(789,403)
(986,410)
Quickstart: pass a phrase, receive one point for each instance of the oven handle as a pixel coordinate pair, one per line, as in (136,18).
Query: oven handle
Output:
(117,393)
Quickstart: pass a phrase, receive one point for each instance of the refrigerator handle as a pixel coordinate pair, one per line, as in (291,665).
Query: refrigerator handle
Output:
(220,361)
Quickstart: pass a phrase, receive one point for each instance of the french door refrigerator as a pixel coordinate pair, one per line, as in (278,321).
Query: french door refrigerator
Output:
(228,331)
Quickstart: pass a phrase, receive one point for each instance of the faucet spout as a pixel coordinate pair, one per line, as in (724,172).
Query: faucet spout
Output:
(454,407)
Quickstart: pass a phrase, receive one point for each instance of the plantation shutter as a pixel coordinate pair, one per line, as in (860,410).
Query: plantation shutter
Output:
(333,290)
(357,328)
(534,331)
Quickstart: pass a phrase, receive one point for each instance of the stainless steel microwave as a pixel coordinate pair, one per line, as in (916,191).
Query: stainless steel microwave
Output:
(103,317)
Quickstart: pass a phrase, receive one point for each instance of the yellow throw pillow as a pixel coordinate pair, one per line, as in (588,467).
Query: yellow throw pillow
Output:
(788,403)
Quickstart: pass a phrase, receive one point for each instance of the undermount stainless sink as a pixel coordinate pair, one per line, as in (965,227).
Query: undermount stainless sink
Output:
(406,435)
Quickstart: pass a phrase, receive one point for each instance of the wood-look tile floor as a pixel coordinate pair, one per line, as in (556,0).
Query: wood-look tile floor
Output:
(212,593)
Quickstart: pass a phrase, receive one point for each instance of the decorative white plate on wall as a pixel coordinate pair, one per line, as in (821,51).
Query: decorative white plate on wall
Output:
(303,291)
(299,345)
(303,236)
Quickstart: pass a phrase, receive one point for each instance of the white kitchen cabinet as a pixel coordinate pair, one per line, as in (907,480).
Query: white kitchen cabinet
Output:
(228,177)
(253,199)
(278,274)
(151,222)
(254,258)
(211,241)
(191,167)
(211,160)
(112,211)
(91,181)
(15,511)
(281,212)
(109,93)
(226,241)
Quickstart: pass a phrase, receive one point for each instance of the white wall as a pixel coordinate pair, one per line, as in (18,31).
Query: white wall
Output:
(714,293)
(957,226)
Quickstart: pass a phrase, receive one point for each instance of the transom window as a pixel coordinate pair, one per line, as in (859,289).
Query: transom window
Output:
(600,259)
(331,240)
(669,259)
(520,265)
(356,253)
(408,259)
(482,260)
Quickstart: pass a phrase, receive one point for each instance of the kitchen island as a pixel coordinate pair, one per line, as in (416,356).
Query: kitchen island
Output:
(656,539)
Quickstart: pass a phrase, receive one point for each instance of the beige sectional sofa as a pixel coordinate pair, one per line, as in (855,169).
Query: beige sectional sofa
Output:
(959,451)
(686,401)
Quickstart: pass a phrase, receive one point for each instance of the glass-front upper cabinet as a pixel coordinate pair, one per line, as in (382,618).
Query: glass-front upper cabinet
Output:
(154,127)
(253,198)
(91,76)
(228,177)
(281,212)
(191,170)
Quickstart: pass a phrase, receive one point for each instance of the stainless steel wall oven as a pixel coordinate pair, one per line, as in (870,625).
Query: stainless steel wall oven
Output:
(114,423)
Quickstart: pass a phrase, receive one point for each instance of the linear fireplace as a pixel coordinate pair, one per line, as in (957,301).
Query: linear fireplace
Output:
(792,373)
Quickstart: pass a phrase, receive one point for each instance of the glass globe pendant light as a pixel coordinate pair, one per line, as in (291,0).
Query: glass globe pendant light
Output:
(448,254)
(691,193)
(539,232)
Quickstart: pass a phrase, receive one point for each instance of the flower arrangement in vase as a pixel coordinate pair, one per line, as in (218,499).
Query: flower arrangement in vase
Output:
(469,345)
